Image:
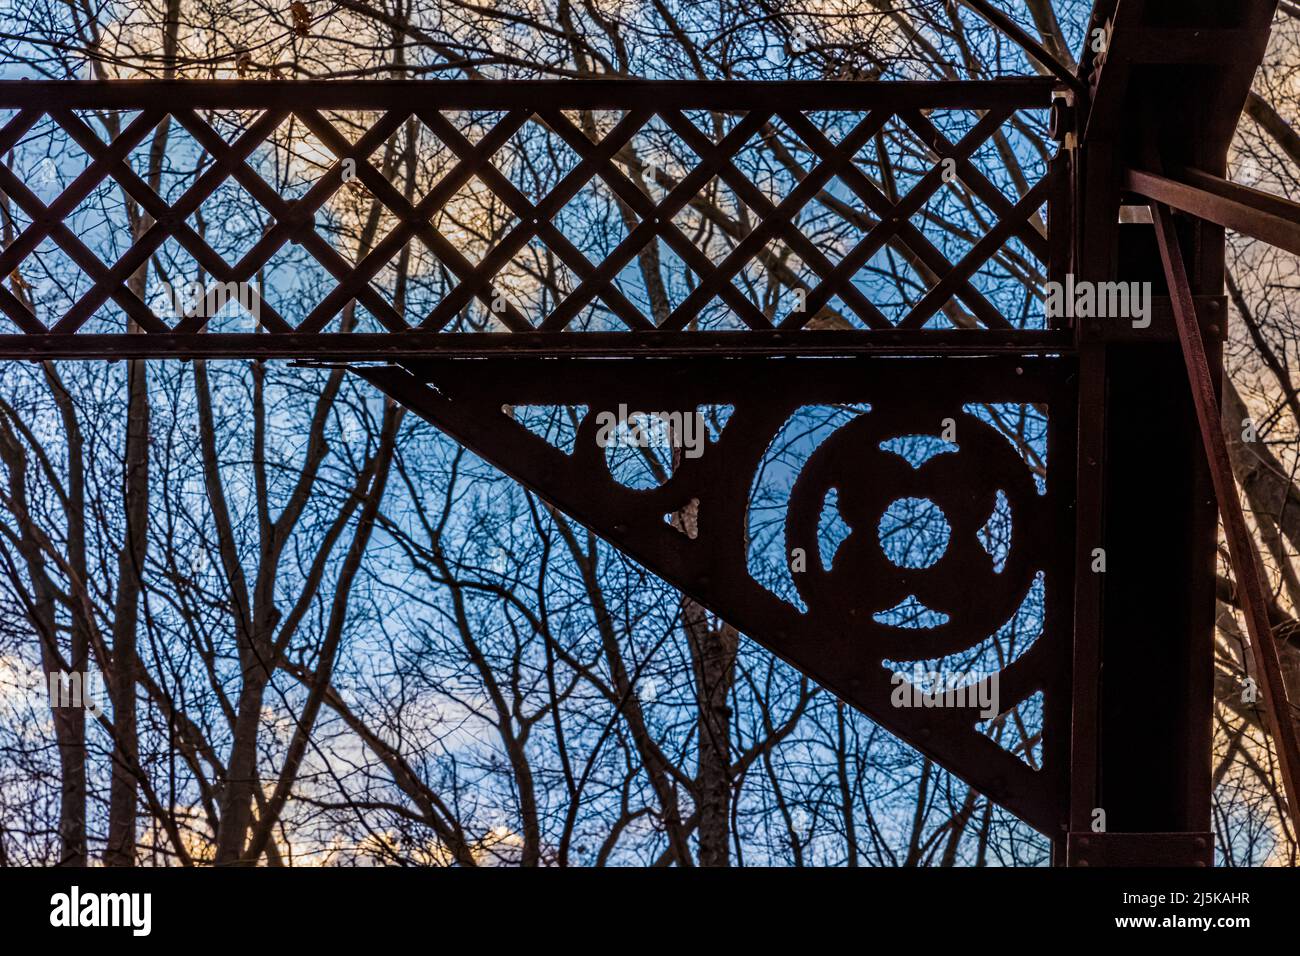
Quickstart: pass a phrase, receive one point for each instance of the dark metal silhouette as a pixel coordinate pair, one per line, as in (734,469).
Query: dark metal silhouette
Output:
(1123,664)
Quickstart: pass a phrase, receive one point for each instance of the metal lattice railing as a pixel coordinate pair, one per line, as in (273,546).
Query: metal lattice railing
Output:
(750,215)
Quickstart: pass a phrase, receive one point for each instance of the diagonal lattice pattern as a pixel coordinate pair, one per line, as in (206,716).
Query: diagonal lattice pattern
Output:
(669,209)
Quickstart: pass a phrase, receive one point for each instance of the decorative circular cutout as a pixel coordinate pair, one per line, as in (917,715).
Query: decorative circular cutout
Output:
(960,581)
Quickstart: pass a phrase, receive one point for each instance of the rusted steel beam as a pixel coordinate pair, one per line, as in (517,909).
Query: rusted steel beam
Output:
(293,220)
(1241,549)
(1251,212)
(1090,849)
(1090,516)
(1026,92)
(1138,52)
(386,346)
(1191,45)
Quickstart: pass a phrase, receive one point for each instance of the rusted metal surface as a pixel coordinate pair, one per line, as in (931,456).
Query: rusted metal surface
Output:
(405,346)
(1262,216)
(914,373)
(596,94)
(1245,560)
(1090,849)
(1089,511)
(759,110)
(1166,84)
(1134,121)
(837,639)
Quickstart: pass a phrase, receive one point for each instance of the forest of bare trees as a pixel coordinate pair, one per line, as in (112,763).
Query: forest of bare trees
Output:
(329,635)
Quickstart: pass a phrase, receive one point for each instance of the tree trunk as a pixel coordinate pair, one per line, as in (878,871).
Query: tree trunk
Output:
(713,652)
(124,787)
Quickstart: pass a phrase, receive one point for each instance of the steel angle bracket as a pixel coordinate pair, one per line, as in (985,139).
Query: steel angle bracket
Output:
(835,640)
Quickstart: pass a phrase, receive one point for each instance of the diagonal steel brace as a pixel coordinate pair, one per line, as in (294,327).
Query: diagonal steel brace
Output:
(1241,550)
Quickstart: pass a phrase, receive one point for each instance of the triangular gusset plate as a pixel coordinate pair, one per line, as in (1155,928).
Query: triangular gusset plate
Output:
(909,432)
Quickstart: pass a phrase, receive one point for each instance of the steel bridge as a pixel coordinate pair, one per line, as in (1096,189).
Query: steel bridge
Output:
(1135,458)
